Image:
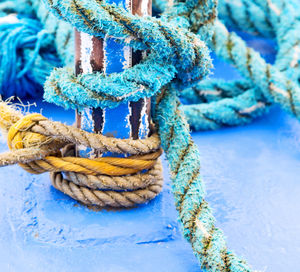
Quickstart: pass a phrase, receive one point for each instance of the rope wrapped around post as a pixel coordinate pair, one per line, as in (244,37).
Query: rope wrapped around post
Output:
(35,143)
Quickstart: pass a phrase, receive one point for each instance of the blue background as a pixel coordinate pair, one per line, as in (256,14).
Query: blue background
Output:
(252,180)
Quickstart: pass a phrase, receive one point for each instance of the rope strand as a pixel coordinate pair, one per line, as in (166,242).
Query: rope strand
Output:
(104,181)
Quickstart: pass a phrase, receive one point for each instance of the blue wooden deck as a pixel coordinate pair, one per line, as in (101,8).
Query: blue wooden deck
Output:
(252,179)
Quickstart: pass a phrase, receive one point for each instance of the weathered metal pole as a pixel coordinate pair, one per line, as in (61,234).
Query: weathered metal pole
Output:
(130,120)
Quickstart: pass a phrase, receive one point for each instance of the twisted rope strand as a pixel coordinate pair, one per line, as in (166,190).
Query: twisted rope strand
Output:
(122,179)
(266,12)
(195,215)
(107,198)
(174,52)
(263,90)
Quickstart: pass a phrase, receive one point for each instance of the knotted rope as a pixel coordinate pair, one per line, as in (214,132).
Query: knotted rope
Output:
(177,60)
(216,103)
(35,144)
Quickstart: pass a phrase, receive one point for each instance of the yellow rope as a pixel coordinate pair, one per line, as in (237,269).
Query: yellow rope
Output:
(105,166)
(36,144)
(19,137)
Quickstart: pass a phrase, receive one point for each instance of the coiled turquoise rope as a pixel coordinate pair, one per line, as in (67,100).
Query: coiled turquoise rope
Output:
(25,58)
(278,83)
(177,61)
(173,51)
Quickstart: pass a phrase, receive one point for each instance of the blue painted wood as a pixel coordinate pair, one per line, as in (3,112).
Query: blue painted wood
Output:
(252,179)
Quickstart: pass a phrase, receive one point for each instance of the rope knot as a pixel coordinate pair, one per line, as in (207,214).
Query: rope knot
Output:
(36,143)
(19,134)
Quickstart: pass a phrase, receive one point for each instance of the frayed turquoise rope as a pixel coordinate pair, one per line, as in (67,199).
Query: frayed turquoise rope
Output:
(256,11)
(231,48)
(194,213)
(238,110)
(274,85)
(198,223)
(214,104)
(210,90)
(98,90)
(175,51)
(279,83)
(217,120)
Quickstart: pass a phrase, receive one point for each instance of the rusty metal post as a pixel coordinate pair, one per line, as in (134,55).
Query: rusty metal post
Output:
(130,120)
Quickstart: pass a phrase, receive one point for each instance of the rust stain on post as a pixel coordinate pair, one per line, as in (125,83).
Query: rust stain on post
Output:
(91,49)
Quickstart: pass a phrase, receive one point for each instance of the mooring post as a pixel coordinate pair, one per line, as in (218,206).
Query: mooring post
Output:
(129,120)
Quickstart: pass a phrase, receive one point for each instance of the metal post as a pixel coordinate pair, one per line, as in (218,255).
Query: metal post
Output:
(130,120)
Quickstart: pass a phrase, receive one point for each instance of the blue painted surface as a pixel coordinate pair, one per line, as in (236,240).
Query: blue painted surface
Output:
(252,179)
(115,119)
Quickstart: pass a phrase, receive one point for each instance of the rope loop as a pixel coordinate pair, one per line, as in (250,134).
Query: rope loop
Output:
(126,181)
(212,104)
(174,52)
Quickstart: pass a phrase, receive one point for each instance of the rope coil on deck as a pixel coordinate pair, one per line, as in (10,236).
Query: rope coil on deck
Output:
(104,181)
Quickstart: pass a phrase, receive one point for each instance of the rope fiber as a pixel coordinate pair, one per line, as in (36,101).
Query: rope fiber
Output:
(35,143)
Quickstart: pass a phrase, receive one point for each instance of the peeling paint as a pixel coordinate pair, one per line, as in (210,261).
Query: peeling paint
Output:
(144,121)
(86,52)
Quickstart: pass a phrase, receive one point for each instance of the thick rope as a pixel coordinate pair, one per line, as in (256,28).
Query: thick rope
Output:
(266,83)
(173,52)
(195,215)
(69,134)
(271,19)
(107,198)
(103,181)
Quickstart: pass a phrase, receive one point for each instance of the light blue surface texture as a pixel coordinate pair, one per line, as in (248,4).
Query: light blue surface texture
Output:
(252,179)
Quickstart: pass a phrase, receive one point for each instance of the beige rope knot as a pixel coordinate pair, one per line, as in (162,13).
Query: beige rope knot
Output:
(35,143)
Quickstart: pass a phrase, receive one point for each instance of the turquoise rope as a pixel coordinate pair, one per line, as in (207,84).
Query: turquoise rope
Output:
(194,213)
(198,223)
(25,58)
(174,52)
(60,31)
(278,83)
(217,119)
(98,90)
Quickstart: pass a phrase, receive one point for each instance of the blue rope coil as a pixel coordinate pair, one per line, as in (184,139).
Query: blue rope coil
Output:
(26,56)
